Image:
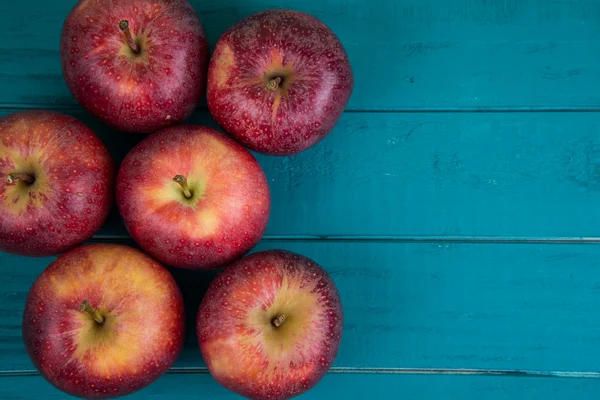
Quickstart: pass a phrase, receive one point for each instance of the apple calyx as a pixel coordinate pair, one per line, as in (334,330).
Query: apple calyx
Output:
(124,26)
(184,185)
(273,84)
(278,321)
(87,307)
(19,177)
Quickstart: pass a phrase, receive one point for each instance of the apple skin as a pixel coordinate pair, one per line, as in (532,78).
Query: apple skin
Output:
(317,81)
(143,92)
(142,334)
(244,351)
(73,189)
(225,218)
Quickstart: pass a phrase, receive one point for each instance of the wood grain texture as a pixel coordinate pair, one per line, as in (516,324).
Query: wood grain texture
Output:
(430,305)
(343,386)
(408,54)
(386,203)
(428,174)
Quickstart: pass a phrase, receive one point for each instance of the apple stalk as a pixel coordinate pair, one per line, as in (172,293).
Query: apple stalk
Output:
(16,177)
(184,185)
(124,26)
(273,84)
(278,321)
(87,307)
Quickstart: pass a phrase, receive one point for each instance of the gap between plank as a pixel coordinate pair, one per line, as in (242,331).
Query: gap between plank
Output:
(400,239)
(398,371)
(404,110)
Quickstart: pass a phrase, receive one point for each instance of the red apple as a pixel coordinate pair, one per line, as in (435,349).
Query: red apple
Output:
(103,321)
(56,181)
(270,325)
(138,65)
(278,81)
(192,197)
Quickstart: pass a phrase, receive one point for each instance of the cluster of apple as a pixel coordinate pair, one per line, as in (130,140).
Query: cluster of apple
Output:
(106,320)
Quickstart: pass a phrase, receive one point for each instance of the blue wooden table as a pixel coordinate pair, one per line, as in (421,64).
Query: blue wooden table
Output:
(456,204)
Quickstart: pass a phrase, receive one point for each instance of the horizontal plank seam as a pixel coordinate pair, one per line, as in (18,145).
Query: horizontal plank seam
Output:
(422,109)
(399,371)
(401,239)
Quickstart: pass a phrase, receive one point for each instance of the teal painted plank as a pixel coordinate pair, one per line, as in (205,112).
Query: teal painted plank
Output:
(344,386)
(406,54)
(430,174)
(429,305)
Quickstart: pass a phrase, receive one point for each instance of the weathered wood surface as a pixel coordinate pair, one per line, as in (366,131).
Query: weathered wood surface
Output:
(408,305)
(409,54)
(441,204)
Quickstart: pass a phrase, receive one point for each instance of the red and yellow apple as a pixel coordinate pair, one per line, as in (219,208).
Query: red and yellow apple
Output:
(138,65)
(270,325)
(192,197)
(278,81)
(103,321)
(56,181)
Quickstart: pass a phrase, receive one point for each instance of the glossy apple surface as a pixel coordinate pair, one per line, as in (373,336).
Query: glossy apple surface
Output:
(154,83)
(130,332)
(56,183)
(270,325)
(278,81)
(223,215)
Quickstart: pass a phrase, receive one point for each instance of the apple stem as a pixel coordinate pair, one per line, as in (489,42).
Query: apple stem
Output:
(184,185)
(274,84)
(278,321)
(87,307)
(124,25)
(16,177)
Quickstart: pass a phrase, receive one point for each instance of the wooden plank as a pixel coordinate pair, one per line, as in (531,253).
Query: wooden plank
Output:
(406,54)
(429,174)
(428,305)
(343,386)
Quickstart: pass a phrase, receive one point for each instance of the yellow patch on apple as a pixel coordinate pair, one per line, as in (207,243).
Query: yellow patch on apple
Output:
(224,61)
